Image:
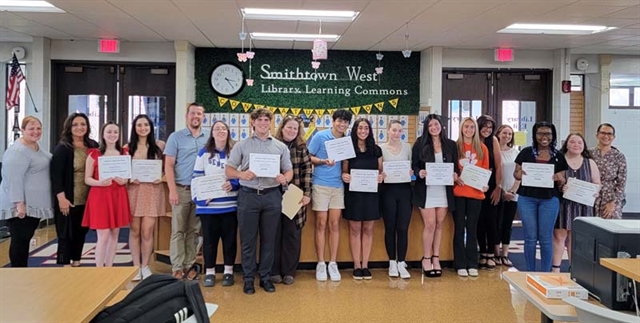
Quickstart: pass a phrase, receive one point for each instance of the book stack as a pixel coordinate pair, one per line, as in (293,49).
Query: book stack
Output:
(556,286)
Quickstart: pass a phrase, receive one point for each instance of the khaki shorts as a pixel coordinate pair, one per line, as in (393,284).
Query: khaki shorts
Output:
(324,198)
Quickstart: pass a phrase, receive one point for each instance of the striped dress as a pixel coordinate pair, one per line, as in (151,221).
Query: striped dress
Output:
(569,210)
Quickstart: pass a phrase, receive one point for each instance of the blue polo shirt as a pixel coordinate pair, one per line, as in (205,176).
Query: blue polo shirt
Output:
(184,147)
(324,175)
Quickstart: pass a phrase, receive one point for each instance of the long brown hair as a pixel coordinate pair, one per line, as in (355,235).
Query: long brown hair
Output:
(66,138)
(513,135)
(210,146)
(103,144)
(299,140)
(475,140)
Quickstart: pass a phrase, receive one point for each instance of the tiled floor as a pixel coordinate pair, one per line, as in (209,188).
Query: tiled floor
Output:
(446,299)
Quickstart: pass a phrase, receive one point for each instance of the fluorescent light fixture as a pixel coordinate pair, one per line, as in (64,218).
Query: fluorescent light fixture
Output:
(297,37)
(305,15)
(554,29)
(28,6)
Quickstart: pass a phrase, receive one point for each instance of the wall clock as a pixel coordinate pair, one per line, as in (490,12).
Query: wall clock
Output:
(227,79)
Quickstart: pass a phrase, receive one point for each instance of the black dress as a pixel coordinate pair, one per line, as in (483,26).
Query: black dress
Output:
(362,206)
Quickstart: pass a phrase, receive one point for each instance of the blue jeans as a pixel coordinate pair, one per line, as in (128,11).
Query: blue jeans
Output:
(538,218)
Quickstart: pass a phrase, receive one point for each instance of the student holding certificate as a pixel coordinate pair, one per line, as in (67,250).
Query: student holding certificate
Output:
(538,206)
(107,208)
(433,201)
(613,174)
(582,167)
(396,202)
(468,200)
(147,200)
(218,215)
(488,236)
(289,234)
(509,185)
(362,208)
(67,179)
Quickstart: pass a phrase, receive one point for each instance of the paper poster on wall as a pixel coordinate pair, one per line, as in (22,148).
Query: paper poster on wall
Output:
(318,120)
(381,135)
(206,120)
(405,122)
(244,133)
(245,120)
(215,117)
(224,117)
(419,131)
(234,133)
(327,120)
(520,138)
(234,119)
(277,120)
(520,115)
(382,121)
(373,119)
(422,115)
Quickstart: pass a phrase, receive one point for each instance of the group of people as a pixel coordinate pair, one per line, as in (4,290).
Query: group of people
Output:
(66,186)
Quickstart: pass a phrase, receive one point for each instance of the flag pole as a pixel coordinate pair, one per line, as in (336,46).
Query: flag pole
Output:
(30,96)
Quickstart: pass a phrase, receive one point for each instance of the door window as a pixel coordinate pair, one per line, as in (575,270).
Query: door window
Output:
(153,106)
(520,115)
(94,106)
(460,109)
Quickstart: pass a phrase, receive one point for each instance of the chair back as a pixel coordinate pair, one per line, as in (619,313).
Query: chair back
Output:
(590,313)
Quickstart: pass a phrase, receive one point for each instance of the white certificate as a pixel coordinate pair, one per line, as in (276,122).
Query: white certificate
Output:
(340,149)
(475,176)
(538,175)
(364,180)
(114,166)
(397,171)
(581,191)
(209,187)
(439,174)
(146,170)
(264,165)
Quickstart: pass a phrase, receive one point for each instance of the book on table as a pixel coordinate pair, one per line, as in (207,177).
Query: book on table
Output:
(556,286)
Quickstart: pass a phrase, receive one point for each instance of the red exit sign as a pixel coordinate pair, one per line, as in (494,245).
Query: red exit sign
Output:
(109,46)
(504,55)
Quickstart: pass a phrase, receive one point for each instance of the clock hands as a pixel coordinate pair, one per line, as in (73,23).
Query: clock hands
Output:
(229,81)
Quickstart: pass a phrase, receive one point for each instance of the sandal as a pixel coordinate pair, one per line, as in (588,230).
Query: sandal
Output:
(506,261)
(497,260)
(437,272)
(178,274)
(491,265)
(482,262)
(192,273)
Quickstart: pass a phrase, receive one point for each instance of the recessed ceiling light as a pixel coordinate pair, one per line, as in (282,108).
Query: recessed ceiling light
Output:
(298,37)
(554,29)
(306,15)
(28,6)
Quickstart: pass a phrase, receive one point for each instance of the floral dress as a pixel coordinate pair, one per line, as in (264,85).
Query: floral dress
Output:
(613,176)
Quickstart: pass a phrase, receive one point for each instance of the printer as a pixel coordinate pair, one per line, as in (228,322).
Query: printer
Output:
(593,238)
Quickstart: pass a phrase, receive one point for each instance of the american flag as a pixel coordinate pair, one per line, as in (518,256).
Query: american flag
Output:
(13,88)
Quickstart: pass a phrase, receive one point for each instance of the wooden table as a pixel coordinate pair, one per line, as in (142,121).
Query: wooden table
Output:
(59,294)
(551,309)
(628,267)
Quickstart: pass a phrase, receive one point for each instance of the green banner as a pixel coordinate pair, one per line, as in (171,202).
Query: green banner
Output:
(284,80)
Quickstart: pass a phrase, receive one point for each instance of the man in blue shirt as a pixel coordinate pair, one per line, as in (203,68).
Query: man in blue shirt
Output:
(327,193)
(180,156)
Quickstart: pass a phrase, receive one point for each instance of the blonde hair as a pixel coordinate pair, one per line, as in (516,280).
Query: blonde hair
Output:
(27,120)
(475,140)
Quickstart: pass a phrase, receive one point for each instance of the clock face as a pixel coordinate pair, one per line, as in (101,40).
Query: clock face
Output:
(227,79)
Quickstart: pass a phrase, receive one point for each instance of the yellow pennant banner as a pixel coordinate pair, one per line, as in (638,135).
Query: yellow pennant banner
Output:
(234,104)
(246,106)
(331,111)
(272,109)
(379,106)
(283,111)
(320,112)
(258,106)
(368,108)
(310,130)
(308,112)
(355,110)
(296,111)
(222,101)
(394,103)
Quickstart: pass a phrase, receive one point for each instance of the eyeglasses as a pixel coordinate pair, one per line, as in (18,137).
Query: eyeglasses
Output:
(544,134)
(609,134)
(219,129)
(292,117)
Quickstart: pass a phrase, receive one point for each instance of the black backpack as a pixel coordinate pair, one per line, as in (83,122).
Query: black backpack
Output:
(158,299)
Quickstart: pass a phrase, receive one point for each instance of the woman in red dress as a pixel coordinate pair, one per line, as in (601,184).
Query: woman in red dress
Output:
(107,207)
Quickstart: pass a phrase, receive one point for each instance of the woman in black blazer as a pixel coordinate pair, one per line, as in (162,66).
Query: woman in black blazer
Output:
(70,191)
(433,201)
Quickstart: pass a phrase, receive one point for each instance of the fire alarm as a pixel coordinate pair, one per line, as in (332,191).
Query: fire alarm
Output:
(566,86)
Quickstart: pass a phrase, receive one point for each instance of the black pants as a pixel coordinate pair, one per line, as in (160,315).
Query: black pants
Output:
(214,227)
(488,235)
(71,235)
(506,215)
(465,218)
(258,214)
(396,213)
(21,231)
(287,247)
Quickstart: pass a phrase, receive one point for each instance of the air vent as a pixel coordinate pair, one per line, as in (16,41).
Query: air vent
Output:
(73,69)
(455,76)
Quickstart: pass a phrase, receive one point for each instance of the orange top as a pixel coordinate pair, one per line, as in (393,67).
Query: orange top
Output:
(469,157)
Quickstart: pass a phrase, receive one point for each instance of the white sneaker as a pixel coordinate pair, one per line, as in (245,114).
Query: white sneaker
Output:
(402,269)
(473,272)
(137,277)
(146,272)
(334,274)
(393,268)
(464,273)
(321,272)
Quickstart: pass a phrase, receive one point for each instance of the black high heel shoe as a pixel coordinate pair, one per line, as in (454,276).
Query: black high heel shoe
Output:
(436,272)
